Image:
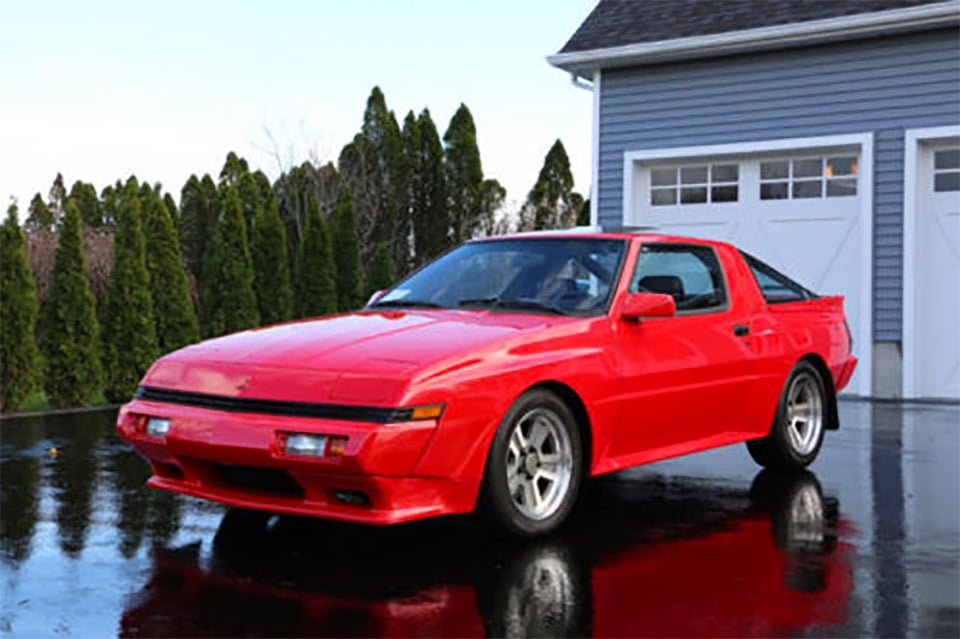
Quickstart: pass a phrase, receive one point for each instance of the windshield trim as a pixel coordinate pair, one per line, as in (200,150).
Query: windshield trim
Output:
(597,312)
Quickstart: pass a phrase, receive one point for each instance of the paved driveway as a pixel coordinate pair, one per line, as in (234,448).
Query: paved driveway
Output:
(867,543)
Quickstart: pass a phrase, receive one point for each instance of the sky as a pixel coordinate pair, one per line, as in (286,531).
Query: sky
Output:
(102,90)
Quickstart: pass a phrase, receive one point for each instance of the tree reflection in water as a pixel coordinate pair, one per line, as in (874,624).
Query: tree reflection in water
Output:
(73,474)
(70,457)
(20,461)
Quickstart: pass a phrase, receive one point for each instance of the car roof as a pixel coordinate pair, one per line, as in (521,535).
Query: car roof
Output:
(605,235)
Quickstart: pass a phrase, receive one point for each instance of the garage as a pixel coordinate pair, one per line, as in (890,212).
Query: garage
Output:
(932,279)
(800,205)
(820,136)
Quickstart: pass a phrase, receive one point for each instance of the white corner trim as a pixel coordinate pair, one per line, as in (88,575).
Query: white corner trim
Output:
(595,153)
(779,36)
(863,141)
(911,151)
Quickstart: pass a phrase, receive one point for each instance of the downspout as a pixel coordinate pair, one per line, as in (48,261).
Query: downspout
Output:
(580,83)
(593,87)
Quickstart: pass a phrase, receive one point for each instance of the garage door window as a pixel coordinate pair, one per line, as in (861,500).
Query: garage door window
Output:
(946,170)
(697,184)
(803,178)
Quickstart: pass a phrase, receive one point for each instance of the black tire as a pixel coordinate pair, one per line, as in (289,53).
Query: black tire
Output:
(780,450)
(504,512)
(239,530)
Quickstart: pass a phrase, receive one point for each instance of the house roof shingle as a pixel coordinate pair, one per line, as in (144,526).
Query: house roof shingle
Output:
(615,23)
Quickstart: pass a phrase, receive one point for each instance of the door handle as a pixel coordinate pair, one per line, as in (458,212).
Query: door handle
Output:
(741,329)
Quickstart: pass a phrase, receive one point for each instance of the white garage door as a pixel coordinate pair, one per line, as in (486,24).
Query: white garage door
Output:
(937,280)
(800,211)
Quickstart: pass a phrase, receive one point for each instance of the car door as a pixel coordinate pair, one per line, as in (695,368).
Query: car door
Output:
(683,378)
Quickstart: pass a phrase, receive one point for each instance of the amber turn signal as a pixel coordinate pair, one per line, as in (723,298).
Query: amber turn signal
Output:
(431,411)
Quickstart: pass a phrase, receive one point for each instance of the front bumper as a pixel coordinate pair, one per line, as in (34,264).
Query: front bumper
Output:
(238,459)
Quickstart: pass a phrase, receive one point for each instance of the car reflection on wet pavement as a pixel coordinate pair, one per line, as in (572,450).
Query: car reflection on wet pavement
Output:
(865,544)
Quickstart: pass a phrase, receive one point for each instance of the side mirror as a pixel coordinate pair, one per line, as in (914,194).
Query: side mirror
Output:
(639,306)
(376,295)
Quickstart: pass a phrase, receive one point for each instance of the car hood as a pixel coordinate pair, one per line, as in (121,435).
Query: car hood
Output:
(362,357)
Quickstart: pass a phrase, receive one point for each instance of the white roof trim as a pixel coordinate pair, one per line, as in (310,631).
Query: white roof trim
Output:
(585,62)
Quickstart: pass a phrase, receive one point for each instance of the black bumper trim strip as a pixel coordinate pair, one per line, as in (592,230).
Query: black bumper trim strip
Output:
(342,412)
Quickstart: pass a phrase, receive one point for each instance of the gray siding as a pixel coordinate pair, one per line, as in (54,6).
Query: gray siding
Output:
(879,85)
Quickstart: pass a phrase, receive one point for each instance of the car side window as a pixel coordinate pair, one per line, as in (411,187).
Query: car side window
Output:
(691,274)
(775,286)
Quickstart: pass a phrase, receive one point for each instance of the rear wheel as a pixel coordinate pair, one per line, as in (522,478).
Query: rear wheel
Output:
(797,433)
(534,467)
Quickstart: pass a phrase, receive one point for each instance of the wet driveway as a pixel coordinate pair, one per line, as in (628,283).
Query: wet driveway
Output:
(865,544)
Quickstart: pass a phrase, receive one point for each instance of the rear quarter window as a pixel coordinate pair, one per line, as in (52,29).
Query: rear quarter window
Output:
(776,287)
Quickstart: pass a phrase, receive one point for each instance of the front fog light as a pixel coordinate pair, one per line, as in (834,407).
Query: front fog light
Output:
(157,427)
(301,444)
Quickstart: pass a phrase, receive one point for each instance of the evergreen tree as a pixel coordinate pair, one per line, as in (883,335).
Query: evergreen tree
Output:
(84,197)
(429,210)
(370,165)
(110,203)
(346,250)
(20,367)
(198,217)
(176,320)
(583,217)
(129,334)
(230,300)
(464,175)
(172,211)
(316,276)
(38,214)
(255,193)
(271,266)
(68,324)
(552,204)
(492,195)
(57,199)
(234,168)
(381,276)
(292,191)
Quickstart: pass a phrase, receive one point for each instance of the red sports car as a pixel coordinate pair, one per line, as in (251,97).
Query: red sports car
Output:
(497,378)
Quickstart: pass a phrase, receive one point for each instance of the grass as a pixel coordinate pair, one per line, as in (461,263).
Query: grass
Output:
(39,402)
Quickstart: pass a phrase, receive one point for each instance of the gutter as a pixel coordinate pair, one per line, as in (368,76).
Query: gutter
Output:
(584,63)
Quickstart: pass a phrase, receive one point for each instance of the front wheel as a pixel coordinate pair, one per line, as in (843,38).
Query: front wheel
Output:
(534,467)
(797,433)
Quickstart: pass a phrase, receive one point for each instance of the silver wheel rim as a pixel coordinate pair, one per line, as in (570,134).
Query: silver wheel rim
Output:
(806,525)
(539,463)
(804,414)
(541,603)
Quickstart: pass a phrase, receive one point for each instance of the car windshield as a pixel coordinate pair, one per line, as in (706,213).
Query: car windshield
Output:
(565,276)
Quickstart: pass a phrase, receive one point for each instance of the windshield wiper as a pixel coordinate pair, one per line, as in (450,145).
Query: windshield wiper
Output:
(406,303)
(508,304)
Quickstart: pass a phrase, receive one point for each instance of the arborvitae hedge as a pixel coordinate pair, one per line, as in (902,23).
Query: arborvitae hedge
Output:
(230,300)
(431,220)
(84,196)
(176,321)
(68,324)
(381,276)
(463,173)
(316,277)
(127,321)
(346,251)
(20,368)
(271,265)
